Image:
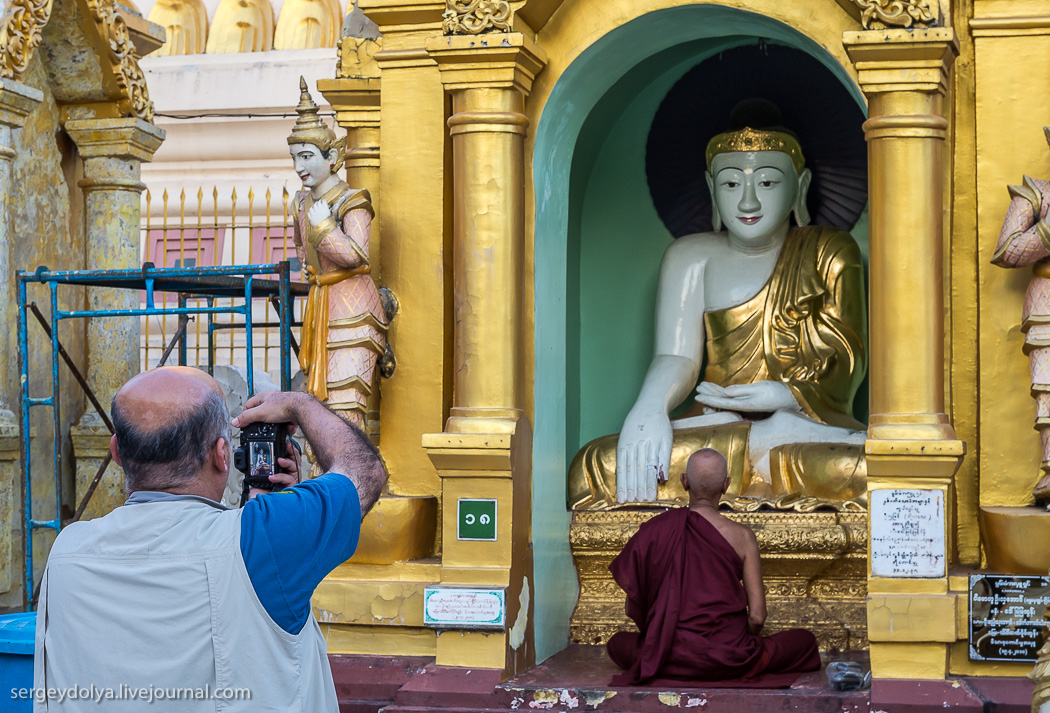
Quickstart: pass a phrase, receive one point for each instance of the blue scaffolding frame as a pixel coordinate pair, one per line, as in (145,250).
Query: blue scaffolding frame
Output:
(234,282)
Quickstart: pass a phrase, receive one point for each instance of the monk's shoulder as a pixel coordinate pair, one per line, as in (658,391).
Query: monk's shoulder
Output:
(741,537)
(657,527)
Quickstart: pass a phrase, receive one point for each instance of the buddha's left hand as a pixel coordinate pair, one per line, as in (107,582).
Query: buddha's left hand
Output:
(760,396)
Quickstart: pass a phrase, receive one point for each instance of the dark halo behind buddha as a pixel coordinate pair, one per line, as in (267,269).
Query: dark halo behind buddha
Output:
(784,89)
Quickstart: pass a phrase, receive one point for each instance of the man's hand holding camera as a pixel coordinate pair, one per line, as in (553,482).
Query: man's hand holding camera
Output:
(338,446)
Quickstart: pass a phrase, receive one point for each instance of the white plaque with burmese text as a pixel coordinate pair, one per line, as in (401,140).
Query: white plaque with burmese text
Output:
(462,608)
(907,533)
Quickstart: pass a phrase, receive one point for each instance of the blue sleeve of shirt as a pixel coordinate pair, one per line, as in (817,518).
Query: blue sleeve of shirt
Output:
(291,539)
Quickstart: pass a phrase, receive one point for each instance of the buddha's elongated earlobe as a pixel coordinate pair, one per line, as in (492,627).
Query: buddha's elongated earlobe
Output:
(800,210)
(716,219)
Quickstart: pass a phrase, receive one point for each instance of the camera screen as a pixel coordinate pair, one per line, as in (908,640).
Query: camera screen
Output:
(261,458)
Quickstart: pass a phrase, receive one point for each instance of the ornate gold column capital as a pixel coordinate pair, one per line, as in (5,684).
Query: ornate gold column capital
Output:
(902,60)
(128,139)
(471,63)
(395,18)
(355,100)
(879,14)
(17,100)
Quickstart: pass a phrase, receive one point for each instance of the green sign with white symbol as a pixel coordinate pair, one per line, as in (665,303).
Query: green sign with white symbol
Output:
(476,519)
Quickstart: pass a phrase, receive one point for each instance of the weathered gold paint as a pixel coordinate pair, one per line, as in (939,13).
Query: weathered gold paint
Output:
(113,151)
(397,529)
(926,585)
(17,100)
(912,617)
(909,660)
(369,603)
(379,641)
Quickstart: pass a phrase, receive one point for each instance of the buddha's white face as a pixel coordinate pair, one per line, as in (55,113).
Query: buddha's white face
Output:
(754,192)
(311,167)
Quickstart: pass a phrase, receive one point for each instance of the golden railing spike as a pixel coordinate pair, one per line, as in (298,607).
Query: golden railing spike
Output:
(216,223)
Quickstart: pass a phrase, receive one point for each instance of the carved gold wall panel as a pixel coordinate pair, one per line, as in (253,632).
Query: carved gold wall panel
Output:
(473,17)
(21,33)
(134,95)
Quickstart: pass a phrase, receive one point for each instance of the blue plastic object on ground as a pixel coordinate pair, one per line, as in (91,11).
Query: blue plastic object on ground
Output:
(17,639)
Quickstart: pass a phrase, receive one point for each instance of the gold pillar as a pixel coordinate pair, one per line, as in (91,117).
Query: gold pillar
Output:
(485,451)
(488,86)
(113,151)
(911,445)
(17,100)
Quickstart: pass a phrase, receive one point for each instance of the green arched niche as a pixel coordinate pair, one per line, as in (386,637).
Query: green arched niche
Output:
(598,244)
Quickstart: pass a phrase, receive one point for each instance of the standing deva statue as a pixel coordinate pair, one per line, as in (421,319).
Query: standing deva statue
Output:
(1025,240)
(344,343)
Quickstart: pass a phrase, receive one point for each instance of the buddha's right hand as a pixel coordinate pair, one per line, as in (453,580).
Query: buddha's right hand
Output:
(643,454)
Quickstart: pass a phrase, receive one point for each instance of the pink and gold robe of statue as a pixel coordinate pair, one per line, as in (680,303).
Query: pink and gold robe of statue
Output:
(1025,240)
(344,325)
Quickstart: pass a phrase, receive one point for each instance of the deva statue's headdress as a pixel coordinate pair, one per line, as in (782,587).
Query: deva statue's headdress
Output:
(310,129)
(759,130)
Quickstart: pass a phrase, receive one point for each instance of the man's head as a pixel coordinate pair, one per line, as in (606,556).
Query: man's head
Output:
(706,475)
(172,431)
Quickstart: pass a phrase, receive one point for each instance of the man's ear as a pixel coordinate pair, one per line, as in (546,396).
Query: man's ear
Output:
(716,219)
(685,481)
(800,210)
(725,486)
(218,456)
(114,451)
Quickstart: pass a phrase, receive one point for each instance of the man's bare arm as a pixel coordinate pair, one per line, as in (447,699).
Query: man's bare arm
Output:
(339,446)
(756,594)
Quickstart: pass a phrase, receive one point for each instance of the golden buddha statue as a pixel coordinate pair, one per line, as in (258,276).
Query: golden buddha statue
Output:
(776,315)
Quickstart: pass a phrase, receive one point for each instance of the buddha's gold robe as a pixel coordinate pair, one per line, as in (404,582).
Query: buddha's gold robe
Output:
(807,328)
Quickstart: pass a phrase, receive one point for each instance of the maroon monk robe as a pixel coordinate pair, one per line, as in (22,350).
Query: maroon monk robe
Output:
(684,591)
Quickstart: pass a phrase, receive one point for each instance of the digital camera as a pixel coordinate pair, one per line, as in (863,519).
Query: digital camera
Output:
(261,445)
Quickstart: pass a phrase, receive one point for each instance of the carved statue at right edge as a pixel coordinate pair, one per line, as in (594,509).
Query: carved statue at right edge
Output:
(1025,240)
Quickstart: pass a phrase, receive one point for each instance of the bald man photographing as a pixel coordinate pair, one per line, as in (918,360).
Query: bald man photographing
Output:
(694,588)
(176,600)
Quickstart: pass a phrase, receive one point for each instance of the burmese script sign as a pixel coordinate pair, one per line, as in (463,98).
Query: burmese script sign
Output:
(458,608)
(1007,617)
(907,533)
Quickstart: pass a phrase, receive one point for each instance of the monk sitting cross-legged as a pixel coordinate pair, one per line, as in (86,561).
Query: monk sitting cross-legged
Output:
(694,588)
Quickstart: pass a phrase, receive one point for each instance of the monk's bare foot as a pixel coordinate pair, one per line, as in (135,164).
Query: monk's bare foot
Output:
(1042,489)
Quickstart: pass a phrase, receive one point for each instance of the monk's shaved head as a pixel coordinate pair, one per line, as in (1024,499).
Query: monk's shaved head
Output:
(706,472)
(166,421)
